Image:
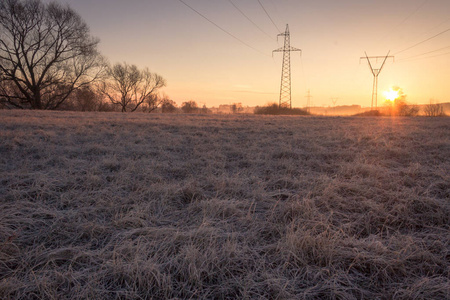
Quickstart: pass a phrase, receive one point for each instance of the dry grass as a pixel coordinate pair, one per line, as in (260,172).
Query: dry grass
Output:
(138,206)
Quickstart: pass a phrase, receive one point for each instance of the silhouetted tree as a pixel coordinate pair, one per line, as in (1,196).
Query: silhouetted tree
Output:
(168,106)
(433,110)
(189,107)
(204,109)
(152,103)
(83,99)
(399,107)
(406,110)
(129,87)
(46,53)
(236,108)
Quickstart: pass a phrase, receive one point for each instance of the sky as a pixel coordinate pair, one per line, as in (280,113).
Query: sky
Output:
(235,63)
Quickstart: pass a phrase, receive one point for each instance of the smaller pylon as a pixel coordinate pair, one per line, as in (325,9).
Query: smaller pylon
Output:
(375,73)
(308,101)
(334,100)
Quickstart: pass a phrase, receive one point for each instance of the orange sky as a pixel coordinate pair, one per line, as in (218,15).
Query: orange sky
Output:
(202,63)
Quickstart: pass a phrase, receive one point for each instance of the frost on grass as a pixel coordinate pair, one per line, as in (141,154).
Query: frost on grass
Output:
(138,206)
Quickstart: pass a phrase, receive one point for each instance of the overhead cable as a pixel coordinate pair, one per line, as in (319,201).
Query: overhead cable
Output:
(422,54)
(256,25)
(426,57)
(269,16)
(412,13)
(222,29)
(391,30)
(426,40)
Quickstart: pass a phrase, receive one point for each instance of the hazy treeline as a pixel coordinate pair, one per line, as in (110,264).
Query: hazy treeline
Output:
(401,108)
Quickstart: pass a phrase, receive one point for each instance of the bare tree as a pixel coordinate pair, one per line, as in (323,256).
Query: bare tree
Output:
(46,53)
(83,99)
(433,110)
(189,107)
(168,106)
(236,108)
(154,102)
(204,109)
(404,109)
(129,87)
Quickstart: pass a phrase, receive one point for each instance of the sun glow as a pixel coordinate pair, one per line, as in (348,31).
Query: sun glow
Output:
(391,95)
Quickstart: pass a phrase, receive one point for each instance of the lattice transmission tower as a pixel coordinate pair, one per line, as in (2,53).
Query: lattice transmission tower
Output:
(285,90)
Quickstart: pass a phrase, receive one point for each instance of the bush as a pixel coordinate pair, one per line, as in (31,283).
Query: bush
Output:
(401,108)
(189,107)
(83,99)
(370,113)
(274,109)
(168,106)
(434,110)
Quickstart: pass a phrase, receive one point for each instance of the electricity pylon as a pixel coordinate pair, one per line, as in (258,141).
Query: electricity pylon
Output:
(285,90)
(375,73)
(334,100)
(308,101)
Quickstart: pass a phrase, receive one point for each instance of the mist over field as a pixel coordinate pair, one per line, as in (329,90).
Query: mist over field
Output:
(161,206)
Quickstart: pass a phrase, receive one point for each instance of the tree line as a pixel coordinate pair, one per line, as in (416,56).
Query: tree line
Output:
(49,60)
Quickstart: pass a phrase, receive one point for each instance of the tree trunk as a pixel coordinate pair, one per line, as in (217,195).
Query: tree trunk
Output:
(37,103)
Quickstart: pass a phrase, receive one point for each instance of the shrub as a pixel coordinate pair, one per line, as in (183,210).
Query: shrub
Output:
(400,107)
(168,106)
(370,113)
(189,107)
(434,110)
(274,109)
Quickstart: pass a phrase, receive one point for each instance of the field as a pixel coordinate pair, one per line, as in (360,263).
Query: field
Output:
(151,206)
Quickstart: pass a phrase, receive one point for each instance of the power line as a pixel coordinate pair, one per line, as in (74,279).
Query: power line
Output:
(413,13)
(442,54)
(439,25)
(418,58)
(405,19)
(222,29)
(434,28)
(426,40)
(256,25)
(408,58)
(269,16)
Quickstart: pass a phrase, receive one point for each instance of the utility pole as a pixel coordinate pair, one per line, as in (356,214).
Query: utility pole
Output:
(285,90)
(375,73)
(334,100)
(308,101)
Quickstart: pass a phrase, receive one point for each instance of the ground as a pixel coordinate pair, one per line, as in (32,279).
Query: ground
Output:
(152,206)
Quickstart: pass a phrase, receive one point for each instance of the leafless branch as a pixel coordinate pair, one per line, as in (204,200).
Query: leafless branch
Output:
(46,53)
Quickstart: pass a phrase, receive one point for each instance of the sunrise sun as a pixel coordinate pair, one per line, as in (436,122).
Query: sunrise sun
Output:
(391,95)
